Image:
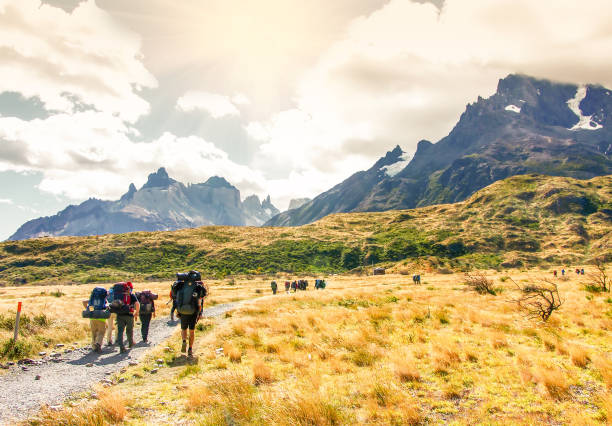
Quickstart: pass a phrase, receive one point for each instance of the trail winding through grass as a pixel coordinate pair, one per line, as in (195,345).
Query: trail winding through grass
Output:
(23,394)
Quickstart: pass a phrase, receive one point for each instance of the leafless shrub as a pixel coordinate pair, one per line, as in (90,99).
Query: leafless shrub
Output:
(599,280)
(480,283)
(539,300)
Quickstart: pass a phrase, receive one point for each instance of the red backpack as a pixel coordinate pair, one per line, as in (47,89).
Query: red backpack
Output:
(146,300)
(121,299)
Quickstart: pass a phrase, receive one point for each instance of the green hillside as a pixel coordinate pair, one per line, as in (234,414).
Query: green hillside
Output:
(523,220)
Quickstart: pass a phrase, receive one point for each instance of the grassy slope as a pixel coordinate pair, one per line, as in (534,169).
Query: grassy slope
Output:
(523,220)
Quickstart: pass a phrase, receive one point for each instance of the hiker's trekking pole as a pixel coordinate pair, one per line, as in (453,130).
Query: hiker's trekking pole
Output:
(17,322)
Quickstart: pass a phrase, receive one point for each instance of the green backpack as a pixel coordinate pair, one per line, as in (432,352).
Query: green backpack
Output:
(187,299)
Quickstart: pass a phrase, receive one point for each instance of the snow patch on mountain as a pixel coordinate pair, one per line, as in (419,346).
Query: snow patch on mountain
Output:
(513,108)
(393,169)
(585,122)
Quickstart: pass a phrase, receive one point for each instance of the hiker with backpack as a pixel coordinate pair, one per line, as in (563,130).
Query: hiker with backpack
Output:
(96,309)
(287,285)
(189,292)
(146,299)
(273,286)
(126,306)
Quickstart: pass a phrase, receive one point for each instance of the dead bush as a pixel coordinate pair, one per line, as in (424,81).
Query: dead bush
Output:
(539,300)
(479,283)
(599,280)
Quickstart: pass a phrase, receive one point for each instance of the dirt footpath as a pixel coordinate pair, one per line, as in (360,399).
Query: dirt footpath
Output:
(64,373)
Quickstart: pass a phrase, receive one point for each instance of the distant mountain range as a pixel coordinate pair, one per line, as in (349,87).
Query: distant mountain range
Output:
(161,204)
(527,126)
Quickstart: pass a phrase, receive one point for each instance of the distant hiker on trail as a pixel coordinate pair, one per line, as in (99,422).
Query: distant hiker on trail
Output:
(577,271)
(147,310)
(418,279)
(126,306)
(96,311)
(287,285)
(563,272)
(555,273)
(273,286)
(319,284)
(294,286)
(582,271)
(189,292)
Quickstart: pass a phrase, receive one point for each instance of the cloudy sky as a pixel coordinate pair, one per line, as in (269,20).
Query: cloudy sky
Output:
(281,97)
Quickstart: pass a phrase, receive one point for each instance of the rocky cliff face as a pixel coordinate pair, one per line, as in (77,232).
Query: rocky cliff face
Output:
(161,204)
(527,126)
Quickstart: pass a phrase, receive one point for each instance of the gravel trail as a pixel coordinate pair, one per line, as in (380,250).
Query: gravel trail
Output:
(62,373)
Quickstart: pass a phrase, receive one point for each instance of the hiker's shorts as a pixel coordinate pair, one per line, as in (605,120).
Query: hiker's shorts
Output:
(189,321)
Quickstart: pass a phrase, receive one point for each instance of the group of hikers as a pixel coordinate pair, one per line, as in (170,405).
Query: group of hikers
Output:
(579,271)
(297,285)
(120,305)
(416,278)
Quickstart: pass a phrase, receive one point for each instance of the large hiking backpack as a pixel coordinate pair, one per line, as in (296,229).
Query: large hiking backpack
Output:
(186,297)
(96,307)
(146,299)
(97,299)
(121,299)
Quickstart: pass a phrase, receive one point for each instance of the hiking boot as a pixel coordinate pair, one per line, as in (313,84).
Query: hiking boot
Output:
(130,344)
(97,348)
(190,353)
(109,344)
(122,349)
(184,347)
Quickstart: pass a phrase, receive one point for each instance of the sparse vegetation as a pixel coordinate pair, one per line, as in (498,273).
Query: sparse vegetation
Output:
(378,350)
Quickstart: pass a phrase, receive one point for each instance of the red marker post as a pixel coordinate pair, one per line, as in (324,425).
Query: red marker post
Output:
(17,321)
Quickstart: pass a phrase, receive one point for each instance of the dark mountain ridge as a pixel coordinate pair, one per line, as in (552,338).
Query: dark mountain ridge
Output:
(162,204)
(528,126)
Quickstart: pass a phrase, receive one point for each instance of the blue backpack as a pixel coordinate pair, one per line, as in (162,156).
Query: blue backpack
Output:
(98,298)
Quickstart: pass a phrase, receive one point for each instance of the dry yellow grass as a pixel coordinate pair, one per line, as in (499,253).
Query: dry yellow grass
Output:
(372,350)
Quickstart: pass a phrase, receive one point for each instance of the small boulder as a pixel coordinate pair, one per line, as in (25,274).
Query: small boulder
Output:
(42,353)
(89,364)
(37,377)
(133,363)
(121,379)
(59,345)
(137,376)
(154,371)
(46,344)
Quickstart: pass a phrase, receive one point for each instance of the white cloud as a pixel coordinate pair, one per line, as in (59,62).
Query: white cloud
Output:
(216,105)
(5,201)
(89,154)
(69,60)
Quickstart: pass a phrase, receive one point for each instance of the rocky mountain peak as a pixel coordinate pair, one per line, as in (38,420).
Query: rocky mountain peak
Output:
(218,182)
(129,194)
(159,179)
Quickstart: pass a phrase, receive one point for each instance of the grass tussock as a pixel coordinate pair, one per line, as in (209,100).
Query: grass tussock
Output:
(579,356)
(111,408)
(406,370)
(262,374)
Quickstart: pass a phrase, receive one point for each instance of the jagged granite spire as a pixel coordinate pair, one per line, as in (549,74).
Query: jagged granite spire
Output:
(129,194)
(159,179)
